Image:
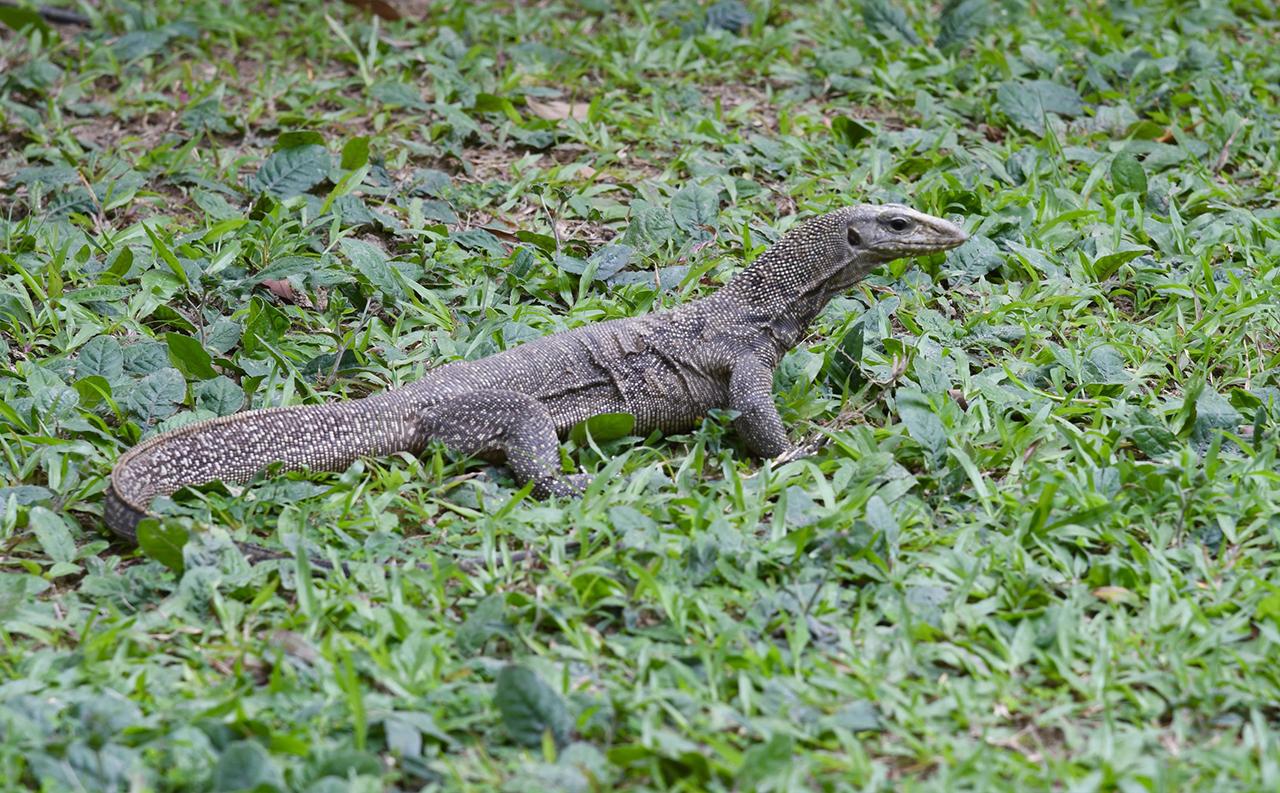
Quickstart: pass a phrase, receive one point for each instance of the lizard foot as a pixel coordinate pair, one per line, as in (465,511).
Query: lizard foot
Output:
(571,486)
(807,448)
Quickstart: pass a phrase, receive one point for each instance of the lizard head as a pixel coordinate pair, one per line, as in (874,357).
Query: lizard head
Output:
(844,245)
(878,234)
(826,255)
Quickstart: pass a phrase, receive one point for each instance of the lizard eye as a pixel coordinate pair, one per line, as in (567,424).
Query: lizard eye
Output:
(899,224)
(855,239)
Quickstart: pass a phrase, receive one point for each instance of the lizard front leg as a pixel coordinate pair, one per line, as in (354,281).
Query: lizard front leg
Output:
(510,423)
(751,395)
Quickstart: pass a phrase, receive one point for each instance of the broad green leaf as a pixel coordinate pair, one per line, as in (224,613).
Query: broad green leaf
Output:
(144,357)
(487,620)
(1105,266)
(923,424)
(266,325)
(730,15)
(189,356)
(603,427)
(977,257)
(1104,366)
(1214,412)
(372,263)
(297,139)
(846,358)
(479,239)
(1026,103)
(291,172)
(694,207)
(651,228)
(163,542)
(158,394)
(1128,175)
(858,716)
(101,356)
(222,335)
(766,761)
(530,707)
(221,395)
(610,259)
(850,132)
(19,19)
(246,765)
(1150,435)
(961,21)
(52,533)
(355,153)
(887,20)
(92,390)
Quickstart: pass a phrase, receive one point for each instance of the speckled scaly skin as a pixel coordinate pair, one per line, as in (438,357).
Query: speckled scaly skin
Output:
(667,369)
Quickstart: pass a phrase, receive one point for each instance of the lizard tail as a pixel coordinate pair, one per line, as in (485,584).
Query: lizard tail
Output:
(236,448)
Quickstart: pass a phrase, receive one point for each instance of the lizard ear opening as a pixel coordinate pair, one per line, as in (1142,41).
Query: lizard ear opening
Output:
(855,239)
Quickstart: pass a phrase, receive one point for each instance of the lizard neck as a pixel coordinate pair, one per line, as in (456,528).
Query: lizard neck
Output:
(781,293)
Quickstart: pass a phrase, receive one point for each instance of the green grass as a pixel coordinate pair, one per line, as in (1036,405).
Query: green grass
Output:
(1038,550)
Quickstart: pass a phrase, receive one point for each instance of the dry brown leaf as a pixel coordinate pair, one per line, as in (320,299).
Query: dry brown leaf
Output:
(281,288)
(555,110)
(1112,594)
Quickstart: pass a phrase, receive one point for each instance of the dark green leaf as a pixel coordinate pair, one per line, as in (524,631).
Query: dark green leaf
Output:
(962,20)
(886,20)
(355,153)
(19,19)
(859,716)
(297,139)
(850,132)
(25,495)
(1214,412)
(145,357)
(479,239)
(163,542)
(487,620)
(529,707)
(1150,435)
(730,15)
(1104,365)
(92,390)
(1105,266)
(847,355)
(189,356)
(976,258)
(266,323)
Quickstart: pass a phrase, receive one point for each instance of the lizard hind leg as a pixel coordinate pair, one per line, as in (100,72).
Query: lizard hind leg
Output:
(507,423)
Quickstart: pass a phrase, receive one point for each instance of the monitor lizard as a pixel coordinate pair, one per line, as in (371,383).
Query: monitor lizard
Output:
(667,369)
